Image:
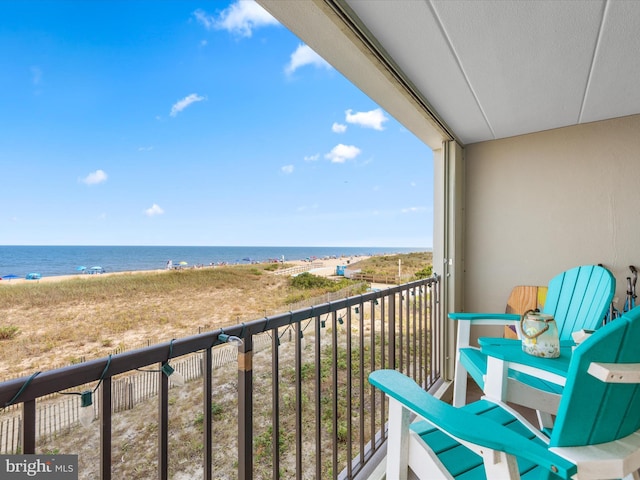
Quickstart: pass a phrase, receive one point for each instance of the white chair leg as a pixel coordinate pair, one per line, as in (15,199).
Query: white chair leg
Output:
(500,465)
(460,374)
(398,441)
(459,384)
(633,476)
(544,419)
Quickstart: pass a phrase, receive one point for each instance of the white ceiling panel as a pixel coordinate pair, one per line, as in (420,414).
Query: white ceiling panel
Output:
(411,34)
(527,62)
(614,88)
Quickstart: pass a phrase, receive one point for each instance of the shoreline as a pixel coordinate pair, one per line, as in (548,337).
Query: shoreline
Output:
(328,266)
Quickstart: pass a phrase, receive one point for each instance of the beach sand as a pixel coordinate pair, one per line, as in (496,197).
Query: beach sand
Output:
(328,269)
(135,320)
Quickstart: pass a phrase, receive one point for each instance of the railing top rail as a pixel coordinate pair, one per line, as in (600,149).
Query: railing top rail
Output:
(76,375)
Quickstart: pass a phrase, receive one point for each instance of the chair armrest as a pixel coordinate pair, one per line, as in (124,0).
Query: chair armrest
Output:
(486,318)
(615,372)
(466,426)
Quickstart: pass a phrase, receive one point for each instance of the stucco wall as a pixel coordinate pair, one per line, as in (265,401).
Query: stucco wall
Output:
(542,203)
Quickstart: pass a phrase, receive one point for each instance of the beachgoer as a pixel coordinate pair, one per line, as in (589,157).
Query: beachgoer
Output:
(169,264)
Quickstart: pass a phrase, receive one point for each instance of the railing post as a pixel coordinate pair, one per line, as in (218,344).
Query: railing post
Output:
(105,428)
(245,409)
(29,427)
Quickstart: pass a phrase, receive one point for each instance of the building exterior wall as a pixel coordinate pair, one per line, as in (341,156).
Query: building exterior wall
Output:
(539,204)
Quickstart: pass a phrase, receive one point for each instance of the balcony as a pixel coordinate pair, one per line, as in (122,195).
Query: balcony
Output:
(298,380)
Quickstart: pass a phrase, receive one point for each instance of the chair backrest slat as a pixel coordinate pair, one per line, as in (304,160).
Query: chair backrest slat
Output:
(592,411)
(579,298)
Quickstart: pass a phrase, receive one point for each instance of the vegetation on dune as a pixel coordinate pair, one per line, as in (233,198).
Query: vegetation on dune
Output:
(416,264)
(306,285)
(92,316)
(89,317)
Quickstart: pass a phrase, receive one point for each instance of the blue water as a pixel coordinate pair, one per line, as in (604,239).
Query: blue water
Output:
(65,260)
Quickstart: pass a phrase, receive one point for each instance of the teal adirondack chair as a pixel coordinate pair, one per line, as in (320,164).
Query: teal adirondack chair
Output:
(578,299)
(596,433)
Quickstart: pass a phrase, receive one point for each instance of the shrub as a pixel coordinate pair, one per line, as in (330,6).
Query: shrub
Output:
(7,332)
(426,272)
(308,281)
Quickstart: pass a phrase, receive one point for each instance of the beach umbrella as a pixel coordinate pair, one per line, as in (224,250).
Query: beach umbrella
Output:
(183,263)
(81,268)
(10,277)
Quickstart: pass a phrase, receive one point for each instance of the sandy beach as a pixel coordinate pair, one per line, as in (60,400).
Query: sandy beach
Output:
(149,312)
(328,269)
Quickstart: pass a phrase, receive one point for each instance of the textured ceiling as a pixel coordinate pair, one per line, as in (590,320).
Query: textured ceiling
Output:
(494,69)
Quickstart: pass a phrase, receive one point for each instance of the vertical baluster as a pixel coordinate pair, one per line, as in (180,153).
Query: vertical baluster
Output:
(318,395)
(275,401)
(298,413)
(334,406)
(163,426)
(245,409)
(361,380)
(207,387)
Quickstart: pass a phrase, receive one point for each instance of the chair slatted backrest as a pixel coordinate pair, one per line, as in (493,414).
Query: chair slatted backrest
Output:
(579,298)
(592,411)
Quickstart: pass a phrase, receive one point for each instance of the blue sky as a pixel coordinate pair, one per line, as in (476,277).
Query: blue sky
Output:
(193,123)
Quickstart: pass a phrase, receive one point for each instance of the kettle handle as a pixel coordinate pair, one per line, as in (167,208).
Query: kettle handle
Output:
(535,335)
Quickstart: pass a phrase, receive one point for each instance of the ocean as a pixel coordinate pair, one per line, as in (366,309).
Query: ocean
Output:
(68,260)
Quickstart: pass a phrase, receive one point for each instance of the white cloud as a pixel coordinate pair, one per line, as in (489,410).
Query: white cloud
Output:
(304,56)
(338,127)
(240,18)
(184,103)
(312,158)
(413,209)
(287,169)
(145,149)
(94,178)
(341,153)
(372,119)
(413,184)
(153,210)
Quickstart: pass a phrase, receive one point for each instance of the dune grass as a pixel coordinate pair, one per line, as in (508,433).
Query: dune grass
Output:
(387,265)
(50,324)
(53,324)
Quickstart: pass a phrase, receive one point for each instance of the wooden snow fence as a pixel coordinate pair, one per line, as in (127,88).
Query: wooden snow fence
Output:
(61,413)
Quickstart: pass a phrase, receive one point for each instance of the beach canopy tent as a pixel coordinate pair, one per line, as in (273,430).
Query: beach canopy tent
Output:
(81,268)
(96,269)
(33,276)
